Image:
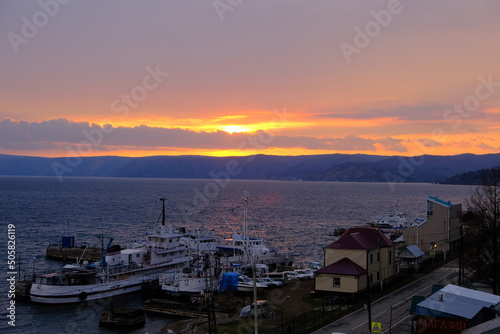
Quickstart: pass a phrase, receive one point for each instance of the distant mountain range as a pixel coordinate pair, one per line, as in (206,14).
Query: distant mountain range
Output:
(334,167)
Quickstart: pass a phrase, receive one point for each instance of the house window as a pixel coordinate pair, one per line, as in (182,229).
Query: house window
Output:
(336,282)
(371,258)
(378,276)
(390,257)
(378,256)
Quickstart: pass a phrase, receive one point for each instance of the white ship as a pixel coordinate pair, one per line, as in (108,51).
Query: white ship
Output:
(392,223)
(199,241)
(120,271)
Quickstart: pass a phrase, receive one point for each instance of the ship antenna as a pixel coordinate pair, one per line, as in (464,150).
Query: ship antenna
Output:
(163,211)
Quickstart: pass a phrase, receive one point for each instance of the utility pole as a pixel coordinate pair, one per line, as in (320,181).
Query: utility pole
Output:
(368,283)
(209,295)
(460,261)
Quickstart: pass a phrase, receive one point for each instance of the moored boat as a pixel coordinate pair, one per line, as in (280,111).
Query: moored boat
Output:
(393,223)
(119,271)
(202,276)
(199,241)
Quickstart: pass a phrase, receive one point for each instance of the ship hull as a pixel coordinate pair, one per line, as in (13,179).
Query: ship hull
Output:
(47,294)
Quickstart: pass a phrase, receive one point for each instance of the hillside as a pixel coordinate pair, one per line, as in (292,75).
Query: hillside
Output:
(477,177)
(334,167)
(425,168)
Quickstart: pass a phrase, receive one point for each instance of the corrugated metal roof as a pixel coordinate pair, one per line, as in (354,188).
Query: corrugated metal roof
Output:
(457,301)
(450,308)
(415,250)
(488,327)
(361,238)
(472,296)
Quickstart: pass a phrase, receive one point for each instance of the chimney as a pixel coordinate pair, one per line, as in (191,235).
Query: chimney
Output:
(440,297)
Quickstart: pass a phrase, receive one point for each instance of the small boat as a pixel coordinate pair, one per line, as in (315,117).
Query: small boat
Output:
(337,232)
(392,220)
(122,318)
(194,280)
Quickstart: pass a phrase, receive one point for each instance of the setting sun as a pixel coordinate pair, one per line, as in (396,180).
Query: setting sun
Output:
(235,128)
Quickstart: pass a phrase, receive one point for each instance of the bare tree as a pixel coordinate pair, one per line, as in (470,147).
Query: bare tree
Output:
(485,204)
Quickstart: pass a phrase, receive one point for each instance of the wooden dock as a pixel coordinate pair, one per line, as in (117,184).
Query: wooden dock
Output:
(164,306)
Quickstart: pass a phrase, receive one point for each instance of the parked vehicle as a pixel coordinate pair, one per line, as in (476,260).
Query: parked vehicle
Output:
(271,282)
(315,265)
(304,273)
(278,276)
(293,276)
(245,284)
(264,309)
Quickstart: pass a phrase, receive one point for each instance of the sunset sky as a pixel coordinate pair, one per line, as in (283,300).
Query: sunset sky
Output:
(240,77)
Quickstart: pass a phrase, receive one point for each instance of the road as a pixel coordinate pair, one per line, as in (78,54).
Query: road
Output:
(396,304)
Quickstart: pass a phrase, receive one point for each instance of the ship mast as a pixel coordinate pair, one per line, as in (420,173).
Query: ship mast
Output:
(163,212)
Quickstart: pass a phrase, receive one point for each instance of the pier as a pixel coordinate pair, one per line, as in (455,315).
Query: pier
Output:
(57,252)
(68,250)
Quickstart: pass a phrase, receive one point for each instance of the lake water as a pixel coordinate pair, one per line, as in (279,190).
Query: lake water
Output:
(289,215)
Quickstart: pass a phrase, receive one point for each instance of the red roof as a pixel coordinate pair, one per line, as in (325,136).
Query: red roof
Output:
(342,267)
(366,238)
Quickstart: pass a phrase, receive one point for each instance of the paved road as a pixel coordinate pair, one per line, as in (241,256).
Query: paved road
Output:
(398,302)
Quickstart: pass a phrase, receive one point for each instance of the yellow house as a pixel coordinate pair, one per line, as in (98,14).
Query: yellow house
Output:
(360,255)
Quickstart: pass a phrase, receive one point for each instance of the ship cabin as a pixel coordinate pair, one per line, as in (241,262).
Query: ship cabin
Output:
(67,278)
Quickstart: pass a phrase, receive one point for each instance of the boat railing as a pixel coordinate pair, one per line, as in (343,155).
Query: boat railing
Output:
(119,269)
(161,249)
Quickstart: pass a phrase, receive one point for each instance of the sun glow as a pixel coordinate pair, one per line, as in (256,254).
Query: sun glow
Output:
(235,128)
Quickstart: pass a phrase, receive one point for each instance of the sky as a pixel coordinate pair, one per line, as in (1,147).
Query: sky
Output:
(241,77)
